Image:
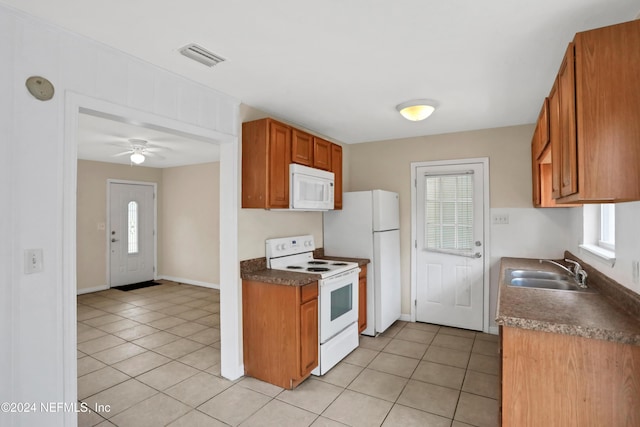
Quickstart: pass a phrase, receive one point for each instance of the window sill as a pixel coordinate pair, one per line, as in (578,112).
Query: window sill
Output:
(604,255)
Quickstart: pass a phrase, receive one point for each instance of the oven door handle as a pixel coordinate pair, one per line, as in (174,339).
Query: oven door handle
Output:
(340,276)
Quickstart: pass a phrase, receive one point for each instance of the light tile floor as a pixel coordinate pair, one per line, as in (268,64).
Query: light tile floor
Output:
(153,356)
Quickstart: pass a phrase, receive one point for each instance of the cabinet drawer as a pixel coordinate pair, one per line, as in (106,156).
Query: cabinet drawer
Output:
(308,292)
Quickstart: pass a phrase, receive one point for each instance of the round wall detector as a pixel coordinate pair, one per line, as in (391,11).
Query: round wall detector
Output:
(40,88)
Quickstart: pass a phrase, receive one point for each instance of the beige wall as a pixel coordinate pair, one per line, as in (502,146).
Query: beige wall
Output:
(386,165)
(92,211)
(191,223)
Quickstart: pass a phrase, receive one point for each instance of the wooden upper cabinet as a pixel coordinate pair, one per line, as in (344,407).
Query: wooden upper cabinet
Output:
(321,154)
(599,106)
(568,160)
(336,168)
(268,148)
(554,138)
(266,154)
(301,148)
(540,146)
(280,157)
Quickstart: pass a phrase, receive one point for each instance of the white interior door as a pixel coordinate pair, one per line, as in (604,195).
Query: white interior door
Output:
(131,233)
(449,245)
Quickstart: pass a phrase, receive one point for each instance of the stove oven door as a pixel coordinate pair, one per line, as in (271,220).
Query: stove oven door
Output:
(338,303)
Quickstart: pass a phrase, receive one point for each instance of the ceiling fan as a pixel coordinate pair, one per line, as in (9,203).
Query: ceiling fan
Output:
(139,150)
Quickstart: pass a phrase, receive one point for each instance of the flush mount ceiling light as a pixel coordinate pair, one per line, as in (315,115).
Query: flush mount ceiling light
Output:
(416,110)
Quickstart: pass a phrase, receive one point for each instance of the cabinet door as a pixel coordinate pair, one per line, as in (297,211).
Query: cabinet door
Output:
(308,336)
(568,142)
(279,159)
(301,148)
(336,168)
(535,168)
(362,299)
(321,154)
(554,137)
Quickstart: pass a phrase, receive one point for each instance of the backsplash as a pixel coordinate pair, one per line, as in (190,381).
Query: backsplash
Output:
(619,295)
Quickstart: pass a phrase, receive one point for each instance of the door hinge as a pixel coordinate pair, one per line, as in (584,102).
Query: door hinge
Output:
(415,244)
(154,268)
(415,302)
(415,182)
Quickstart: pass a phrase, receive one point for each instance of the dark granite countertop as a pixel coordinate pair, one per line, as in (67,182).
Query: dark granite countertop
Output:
(587,314)
(256,269)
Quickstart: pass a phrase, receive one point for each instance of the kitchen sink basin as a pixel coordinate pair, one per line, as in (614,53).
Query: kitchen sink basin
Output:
(542,280)
(537,274)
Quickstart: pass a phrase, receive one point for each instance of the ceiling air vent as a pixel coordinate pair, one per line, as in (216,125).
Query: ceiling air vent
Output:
(200,54)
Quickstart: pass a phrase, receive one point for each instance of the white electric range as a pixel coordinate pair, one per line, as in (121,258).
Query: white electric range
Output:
(337,295)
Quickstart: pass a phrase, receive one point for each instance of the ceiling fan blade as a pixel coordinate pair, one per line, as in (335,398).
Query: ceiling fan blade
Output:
(154,155)
(124,153)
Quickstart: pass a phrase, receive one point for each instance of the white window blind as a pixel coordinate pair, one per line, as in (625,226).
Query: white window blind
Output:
(449,213)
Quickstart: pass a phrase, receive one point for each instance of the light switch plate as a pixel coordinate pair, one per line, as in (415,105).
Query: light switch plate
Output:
(500,219)
(33,261)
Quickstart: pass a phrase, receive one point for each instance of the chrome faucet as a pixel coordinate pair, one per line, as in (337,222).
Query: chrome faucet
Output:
(577,273)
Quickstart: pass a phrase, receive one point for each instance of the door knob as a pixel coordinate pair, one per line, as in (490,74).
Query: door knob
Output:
(478,243)
(114,240)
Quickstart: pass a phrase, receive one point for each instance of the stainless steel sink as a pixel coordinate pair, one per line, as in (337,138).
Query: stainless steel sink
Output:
(537,274)
(542,280)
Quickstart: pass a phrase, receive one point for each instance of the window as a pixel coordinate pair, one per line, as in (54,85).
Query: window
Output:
(599,231)
(132,227)
(449,213)
(608,226)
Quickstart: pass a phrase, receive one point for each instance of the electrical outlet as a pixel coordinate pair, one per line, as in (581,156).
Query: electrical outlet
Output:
(33,261)
(500,219)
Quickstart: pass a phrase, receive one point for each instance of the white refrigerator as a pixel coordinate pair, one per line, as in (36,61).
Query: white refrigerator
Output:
(368,226)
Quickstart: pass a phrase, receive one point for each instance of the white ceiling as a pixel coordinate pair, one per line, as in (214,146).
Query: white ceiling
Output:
(107,140)
(340,67)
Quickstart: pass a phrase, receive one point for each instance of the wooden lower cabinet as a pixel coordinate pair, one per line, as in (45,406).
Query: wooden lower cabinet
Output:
(362,299)
(280,332)
(561,380)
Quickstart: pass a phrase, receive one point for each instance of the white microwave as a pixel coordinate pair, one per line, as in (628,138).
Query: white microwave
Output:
(310,189)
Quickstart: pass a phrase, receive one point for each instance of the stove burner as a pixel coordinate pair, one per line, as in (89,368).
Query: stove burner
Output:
(317,269)
(338,263)
(317,262)
(294,267)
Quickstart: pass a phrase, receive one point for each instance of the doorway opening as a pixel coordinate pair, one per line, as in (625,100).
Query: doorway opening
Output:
(79,104)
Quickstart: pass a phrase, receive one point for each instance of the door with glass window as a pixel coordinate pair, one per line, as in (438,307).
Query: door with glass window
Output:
(449,245)
(131,233)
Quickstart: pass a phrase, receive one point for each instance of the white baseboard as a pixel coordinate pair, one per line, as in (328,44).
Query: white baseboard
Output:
(191,282)
(494,330)
(89,290)
(405,317)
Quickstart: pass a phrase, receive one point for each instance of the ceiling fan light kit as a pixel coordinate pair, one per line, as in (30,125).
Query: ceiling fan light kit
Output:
(137,158)
(137,147)
(416,110)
